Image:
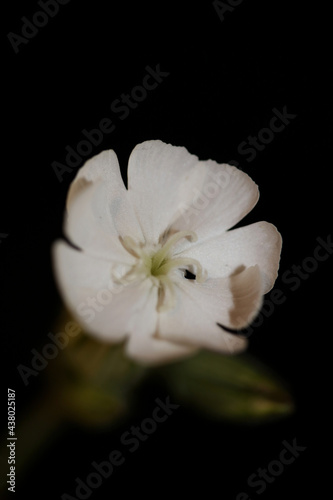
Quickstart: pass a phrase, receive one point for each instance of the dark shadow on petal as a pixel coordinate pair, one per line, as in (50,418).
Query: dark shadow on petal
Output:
(188,275)
(72,244)
(239,269)
(233,331)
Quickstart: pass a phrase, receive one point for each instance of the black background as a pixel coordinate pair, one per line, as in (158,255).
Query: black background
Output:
(224,80)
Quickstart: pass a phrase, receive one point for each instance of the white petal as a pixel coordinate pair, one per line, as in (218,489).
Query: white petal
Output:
(255,244)
(113,313)
(99,210)
(219,196)
(171,187)
(143,344)
(156,172)
(232,302)
(103,309)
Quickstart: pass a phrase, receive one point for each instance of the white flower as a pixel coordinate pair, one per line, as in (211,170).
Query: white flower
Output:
(128,281)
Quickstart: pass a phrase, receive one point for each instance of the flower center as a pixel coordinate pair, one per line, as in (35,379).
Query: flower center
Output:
(157,263)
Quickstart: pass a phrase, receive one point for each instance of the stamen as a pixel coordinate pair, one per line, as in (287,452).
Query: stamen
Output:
(164,251)
(130,245)
(156,264)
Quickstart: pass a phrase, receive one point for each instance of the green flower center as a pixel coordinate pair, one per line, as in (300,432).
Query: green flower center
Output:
(158,262)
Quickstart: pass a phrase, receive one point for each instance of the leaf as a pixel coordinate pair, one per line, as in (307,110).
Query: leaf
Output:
(93,381)
(236,388)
